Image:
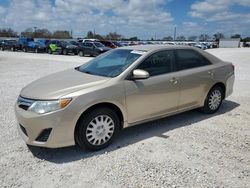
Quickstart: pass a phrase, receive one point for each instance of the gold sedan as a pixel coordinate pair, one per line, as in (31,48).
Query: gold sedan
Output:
(89,105)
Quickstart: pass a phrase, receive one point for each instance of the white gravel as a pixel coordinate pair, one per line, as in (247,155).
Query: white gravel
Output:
(186,150)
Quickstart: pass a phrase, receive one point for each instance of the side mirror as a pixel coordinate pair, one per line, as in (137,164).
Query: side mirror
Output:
(140,74)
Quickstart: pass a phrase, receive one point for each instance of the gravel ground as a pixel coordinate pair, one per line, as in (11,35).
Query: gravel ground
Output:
(186,150)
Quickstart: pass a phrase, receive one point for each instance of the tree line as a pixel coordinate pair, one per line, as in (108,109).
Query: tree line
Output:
(64,34)
(36,33)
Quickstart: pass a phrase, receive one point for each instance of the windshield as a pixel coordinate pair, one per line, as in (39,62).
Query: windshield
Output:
(98,44)
(118,44)
(73,42)
(110,64)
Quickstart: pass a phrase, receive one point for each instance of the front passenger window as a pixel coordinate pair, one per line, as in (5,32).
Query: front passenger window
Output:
(158,63)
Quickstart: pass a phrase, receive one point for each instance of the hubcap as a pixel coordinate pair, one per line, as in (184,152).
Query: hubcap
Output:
(214,100)
(100,130)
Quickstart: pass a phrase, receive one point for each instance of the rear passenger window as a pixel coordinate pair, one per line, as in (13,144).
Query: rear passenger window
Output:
(158,63)
(187,59)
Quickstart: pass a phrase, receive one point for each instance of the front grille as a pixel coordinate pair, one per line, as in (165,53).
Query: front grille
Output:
(24,103)
(44,135)
(23,129)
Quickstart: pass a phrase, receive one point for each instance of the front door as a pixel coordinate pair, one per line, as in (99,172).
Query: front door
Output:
(157,95)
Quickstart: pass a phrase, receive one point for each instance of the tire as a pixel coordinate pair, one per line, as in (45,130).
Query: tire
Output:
(49,51)
(12,49)
(65,52)
(81,53)
(2,48)
(92,123)
(24,49)
(36,50)
(213,100)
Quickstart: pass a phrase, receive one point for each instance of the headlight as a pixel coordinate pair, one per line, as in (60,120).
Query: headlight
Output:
(42,107)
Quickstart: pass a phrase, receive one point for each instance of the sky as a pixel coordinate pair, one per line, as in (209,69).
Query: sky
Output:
(142,18)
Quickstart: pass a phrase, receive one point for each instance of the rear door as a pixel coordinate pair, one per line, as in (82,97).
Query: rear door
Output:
(195,74)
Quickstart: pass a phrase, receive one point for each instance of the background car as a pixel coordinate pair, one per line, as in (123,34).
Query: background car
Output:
(69,47)
(92,49)
(9,45)
(23,41)
(34,47)
(108,44)
(118,44)
(54,46)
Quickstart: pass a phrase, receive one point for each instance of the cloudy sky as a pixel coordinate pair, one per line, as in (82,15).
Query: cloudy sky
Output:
(143,18)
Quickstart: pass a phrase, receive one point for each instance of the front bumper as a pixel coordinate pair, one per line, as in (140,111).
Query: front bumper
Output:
(51,130)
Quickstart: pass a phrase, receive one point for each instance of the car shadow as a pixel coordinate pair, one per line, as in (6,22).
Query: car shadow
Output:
(131,135)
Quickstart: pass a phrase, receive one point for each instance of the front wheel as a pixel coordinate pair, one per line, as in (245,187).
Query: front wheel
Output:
(49,51)
(213,100)
(97,129)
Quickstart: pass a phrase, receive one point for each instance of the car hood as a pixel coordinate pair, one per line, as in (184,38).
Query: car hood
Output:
(71,46)
(60,84)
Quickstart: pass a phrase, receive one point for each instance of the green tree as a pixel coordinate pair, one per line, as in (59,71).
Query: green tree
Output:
(168,38)
(7,33)
(192,38)
(236,36)
(218,36)
(181,38)
(90,35)
(113,36)
(27,32)
(61,34)
(42,33)
(204,37)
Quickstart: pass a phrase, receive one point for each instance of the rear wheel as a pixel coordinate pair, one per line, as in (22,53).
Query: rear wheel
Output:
(81,53)
(97,129)
(213,100)
(65,52)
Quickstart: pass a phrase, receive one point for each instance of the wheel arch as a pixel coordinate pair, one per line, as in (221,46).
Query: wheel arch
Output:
(110,105)
(222,86)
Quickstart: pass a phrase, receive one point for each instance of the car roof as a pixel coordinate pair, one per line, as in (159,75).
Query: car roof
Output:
(152,48)
(155,47)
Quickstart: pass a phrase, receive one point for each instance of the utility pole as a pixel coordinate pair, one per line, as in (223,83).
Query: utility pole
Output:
(174,33)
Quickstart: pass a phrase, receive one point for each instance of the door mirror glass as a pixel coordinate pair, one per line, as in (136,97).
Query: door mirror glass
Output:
(140,74)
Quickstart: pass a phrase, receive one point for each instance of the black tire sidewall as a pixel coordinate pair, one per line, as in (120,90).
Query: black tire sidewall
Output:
(64,52)
(206,107)
(81,54)
(80,133)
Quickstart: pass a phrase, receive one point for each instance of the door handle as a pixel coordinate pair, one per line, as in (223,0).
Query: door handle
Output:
(174,80)
(211,73)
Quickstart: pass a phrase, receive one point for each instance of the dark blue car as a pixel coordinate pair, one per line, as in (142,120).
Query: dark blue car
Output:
(33,46)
